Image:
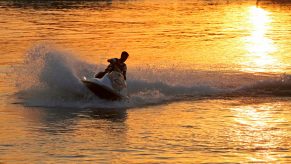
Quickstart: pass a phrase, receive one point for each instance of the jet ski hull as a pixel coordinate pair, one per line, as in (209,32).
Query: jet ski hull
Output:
(102,91)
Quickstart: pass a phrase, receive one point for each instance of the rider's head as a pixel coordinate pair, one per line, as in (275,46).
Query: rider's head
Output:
(124,56)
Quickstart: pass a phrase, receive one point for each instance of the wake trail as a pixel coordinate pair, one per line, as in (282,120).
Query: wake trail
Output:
(51,78)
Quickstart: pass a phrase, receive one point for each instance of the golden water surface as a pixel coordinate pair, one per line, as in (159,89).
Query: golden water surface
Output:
(209,82)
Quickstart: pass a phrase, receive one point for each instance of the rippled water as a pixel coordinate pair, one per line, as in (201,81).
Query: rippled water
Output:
(209,81)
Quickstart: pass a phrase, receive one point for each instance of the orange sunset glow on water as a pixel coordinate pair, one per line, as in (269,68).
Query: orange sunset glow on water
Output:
(202,81)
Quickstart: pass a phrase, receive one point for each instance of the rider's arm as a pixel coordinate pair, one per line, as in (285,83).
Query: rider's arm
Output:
(111,65)
(109,68)
(124,71)
(113,60)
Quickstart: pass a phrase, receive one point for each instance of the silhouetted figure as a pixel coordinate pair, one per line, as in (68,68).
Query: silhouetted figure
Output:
(115,65)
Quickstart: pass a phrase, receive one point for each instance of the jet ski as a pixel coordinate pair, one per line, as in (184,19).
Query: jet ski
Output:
(111,86)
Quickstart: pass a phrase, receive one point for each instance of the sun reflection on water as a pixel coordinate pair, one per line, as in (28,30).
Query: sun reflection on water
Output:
(258,45)
(257,129)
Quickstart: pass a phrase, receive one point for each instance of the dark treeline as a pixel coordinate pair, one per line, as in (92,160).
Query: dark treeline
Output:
(273,2)
(56,4)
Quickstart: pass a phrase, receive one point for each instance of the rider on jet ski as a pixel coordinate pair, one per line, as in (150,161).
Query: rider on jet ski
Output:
(116,65)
